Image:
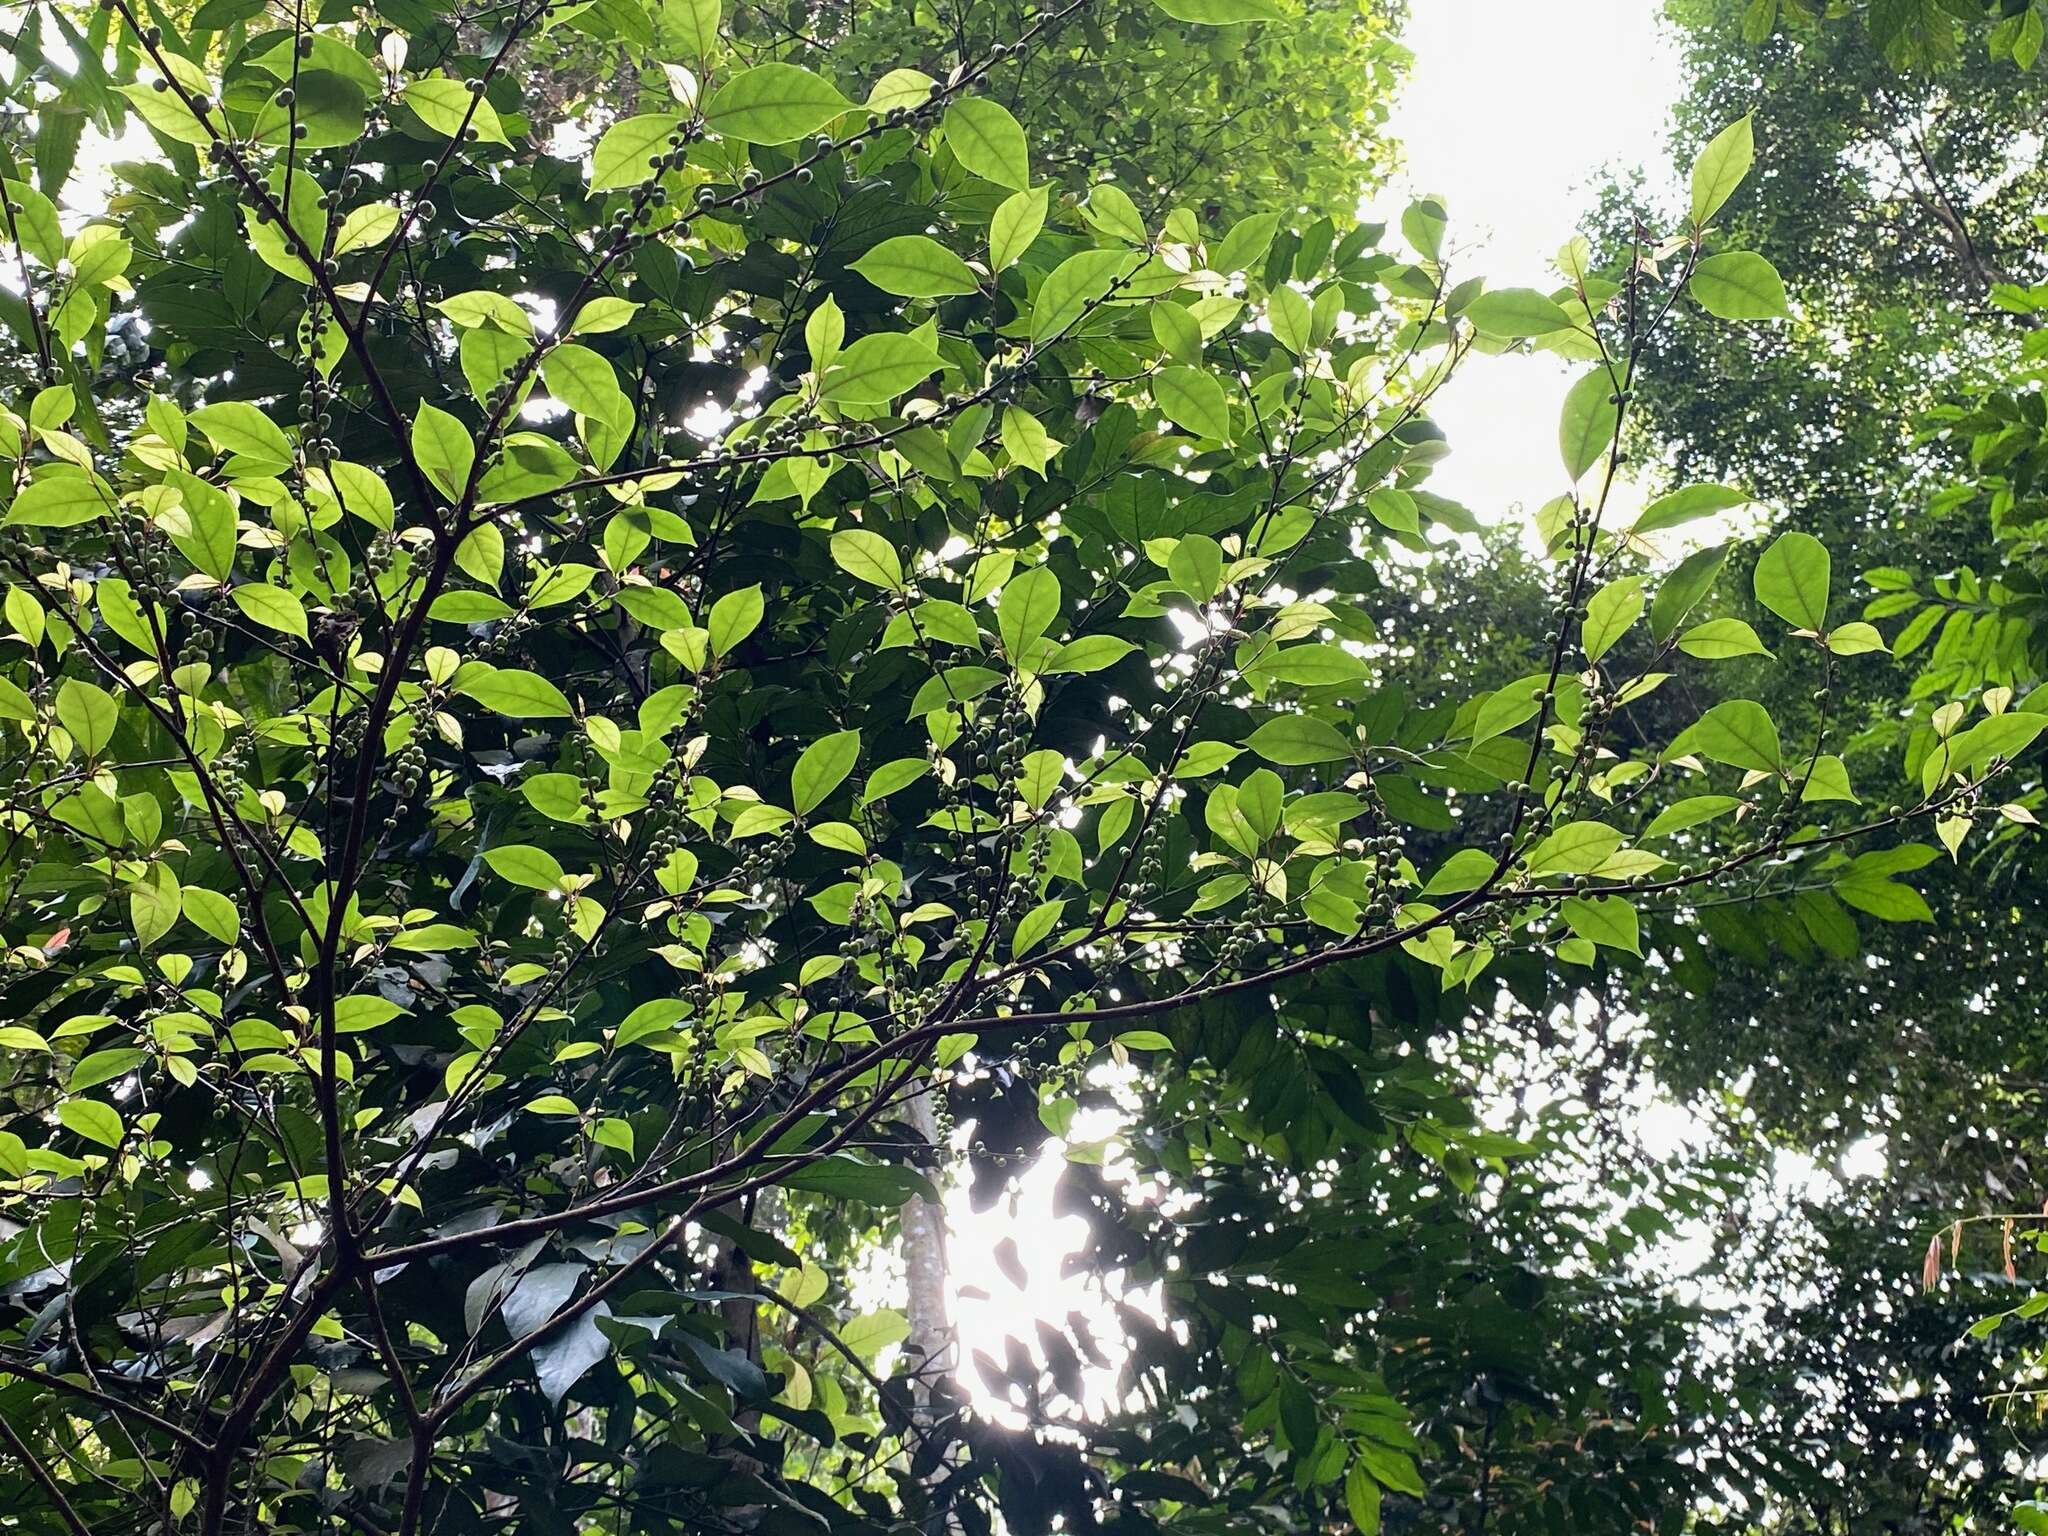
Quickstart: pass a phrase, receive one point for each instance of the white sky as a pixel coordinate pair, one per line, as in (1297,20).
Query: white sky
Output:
(1512,110)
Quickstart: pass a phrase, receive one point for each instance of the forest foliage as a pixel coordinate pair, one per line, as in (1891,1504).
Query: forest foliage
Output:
(608,603)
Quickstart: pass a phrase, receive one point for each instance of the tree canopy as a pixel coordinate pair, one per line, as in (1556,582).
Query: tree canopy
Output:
(640,635)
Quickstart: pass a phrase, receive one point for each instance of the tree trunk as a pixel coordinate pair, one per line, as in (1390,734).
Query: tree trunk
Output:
(924,1268)
(739,1317)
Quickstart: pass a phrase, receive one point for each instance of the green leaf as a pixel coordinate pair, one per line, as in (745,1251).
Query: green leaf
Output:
(445,105)
(52,406)
(326,112)
(551,586)
(1692,812)
(60,500)
(1610,613)
(154,903)
(277,252)
(442,446)
(1739,732)
(1073,287)
(1883,898)
(1422,226)
(1296,740)
(1740,285)
(1317,664)
(89,713)
(876,369)
(1259,799)
(603,314)
(1221,815)
(651,1018)
(1362,1500)
(1855,638)
(38,225)
(1586,427)
(1684,506)
(212,913)
(1395,509)
(1287,312)
(1576,848)
(103,1067)
(1026,440)
(1969,752)
(557,796)
(530,465)
(1513,314)
(434,939)
(372,224)
(1689,581)
(1016,224)
(272,607)
(480,307)
(1090,653)
(14,1037)
(1177,331)
(657,608)
(482,553)
(847,1178)
(166,113)
(824,332)
(988,141)
(512,692)
(822,768)
(1509,706)
(524,865)
(773,104)
(1792,581)
(236,427)
(1028,606)
(1033,927)
(1219,13)
(361,1014)
(735,616)
(1720,168)
(92,1120)
(1604,920)
(587,384)
(1111,210)
(905,88)
(621,156)
(1466,870)
(862,553)
(1191,399)
(207,538)
(916,267)
(1719,639)
(694,24)
(1395,1469)
(1196,566)
(1828,780)
(1246,244)
(470,607)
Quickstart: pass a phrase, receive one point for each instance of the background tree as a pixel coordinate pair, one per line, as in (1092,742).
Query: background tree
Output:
(779,614)
(1897,406)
